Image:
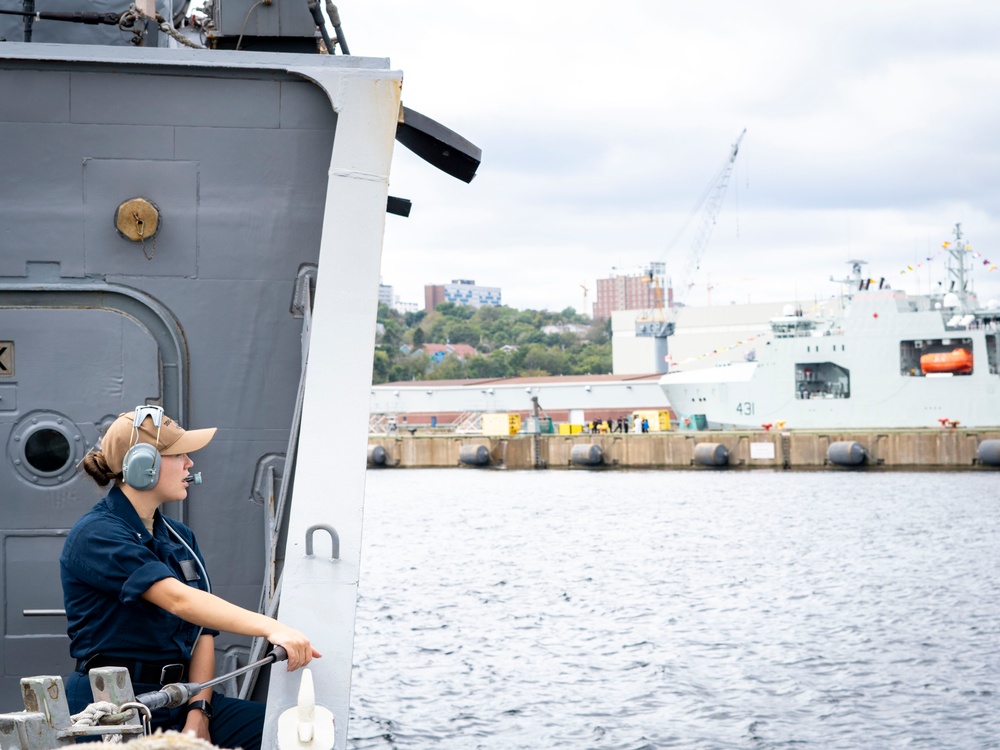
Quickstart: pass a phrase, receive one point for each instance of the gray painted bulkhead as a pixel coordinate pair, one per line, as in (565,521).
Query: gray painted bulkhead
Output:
(237,168)
(236,159)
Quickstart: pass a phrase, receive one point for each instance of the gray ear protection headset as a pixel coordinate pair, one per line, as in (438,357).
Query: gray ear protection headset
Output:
(141,464)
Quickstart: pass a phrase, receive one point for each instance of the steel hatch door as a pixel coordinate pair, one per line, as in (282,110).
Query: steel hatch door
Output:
(67,372)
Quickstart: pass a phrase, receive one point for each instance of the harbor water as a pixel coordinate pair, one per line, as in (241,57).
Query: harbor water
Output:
(678,609)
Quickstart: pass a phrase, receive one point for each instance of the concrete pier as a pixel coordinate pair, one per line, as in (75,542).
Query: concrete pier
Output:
(890,449)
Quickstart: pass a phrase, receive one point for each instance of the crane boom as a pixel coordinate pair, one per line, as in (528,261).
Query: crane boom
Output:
(717,192)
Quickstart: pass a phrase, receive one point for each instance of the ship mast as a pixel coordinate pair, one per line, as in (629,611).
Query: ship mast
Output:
(853,283)
(958,255)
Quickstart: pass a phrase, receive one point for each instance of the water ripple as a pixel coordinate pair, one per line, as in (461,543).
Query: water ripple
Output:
(705,610)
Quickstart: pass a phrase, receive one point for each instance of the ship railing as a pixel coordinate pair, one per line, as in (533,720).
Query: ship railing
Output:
(971,322)
(811,333)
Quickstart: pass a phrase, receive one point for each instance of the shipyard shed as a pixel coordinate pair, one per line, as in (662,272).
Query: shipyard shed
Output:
(575,399)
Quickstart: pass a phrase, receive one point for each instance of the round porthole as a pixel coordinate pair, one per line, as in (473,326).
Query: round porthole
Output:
(47,451)
(45,447)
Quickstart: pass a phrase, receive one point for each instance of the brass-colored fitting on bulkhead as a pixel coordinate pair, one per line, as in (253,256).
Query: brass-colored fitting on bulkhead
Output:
(138,219)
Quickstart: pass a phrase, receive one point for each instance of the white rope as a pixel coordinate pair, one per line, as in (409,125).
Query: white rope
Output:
(170,31)
(91,717)
(92,714)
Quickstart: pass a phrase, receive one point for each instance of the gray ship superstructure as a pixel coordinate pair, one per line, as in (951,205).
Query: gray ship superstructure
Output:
(875,358)
(200,229)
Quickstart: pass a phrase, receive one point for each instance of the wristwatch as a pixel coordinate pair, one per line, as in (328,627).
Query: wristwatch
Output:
(204,706)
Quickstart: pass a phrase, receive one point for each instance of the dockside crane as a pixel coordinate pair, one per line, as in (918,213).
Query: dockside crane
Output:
(653,323)
(712,201)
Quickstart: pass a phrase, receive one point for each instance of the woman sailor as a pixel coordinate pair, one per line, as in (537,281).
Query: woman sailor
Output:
(136,590)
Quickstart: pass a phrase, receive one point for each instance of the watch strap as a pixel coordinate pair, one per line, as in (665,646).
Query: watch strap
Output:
(204,706)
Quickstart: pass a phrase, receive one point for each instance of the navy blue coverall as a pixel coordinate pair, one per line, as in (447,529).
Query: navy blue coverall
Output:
(108,562)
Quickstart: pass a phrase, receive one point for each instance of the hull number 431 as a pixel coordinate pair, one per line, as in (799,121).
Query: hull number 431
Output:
(745,408)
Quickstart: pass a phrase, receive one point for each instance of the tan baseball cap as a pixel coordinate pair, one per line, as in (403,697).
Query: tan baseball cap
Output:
(170,439)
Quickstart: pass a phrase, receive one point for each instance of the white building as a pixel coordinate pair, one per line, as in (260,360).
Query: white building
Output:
(461,292)
(574,398)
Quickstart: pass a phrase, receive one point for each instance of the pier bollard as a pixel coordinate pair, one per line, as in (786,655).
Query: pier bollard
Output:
(590,454)
(376,455)
(711,454)
(846,453)
(474,455)
(989,452)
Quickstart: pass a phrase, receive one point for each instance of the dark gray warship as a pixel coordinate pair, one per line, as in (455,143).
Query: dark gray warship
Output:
(200,229)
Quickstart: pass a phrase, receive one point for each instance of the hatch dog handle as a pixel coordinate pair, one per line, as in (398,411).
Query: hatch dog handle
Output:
(334,538)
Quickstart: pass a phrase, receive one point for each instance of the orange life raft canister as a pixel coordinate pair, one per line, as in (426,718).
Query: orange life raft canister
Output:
(957,360)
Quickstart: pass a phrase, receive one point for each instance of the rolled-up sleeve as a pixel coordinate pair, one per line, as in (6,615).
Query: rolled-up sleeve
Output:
(137,583)
(105,555)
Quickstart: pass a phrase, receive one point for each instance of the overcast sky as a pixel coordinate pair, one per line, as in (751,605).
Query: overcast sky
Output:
(872,128)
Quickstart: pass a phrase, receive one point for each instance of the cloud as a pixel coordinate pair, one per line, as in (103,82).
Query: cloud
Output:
(870,133)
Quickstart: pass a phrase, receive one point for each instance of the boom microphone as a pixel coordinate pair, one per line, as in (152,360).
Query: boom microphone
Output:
(193,478)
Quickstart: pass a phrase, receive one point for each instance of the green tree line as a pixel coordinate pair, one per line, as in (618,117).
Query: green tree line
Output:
(508,343)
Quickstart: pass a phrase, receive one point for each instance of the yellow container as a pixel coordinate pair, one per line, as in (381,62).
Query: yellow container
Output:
(570,429)
(501,424)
